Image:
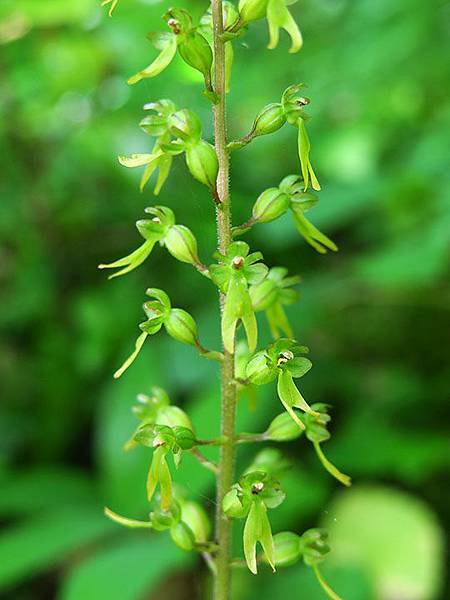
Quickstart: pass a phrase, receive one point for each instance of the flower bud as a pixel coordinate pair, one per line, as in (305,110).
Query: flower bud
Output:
(269,120)
(154,125)
(270,205)
(252,10)
(178,19)
(263,295)
(184,437)
(283,429)
(303,201)
(186,125)
(150,435)
(292,184)
(314,546)
(233,506)
(258,371)
(173,416)
(181,326)
(197,520)
(182,245)
(287,548)
(182,536)
(201,160)
(196,52)
(164,519)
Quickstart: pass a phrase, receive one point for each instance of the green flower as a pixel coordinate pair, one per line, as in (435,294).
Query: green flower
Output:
(255,492)
(178,323)
(153,231)
(282,360)
(271,295)
(293,106)
(234,272)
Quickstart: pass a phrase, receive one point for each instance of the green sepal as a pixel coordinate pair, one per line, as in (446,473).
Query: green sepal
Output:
(166,42)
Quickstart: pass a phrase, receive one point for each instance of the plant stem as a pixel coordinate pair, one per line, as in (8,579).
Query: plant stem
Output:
(222,582)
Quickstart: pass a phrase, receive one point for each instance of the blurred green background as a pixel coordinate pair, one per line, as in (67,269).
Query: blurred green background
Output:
(375,315)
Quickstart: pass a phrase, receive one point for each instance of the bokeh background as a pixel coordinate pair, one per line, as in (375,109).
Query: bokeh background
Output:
(375,314)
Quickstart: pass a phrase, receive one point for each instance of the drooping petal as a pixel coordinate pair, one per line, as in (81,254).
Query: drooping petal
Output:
(251,535)
(167,43)
(278,16)
(328,465)
(285,395)
(131,261)
(113,3)
(266,538)
(304,148)
(131,523)
(136,160)
(139,343)
(324,585)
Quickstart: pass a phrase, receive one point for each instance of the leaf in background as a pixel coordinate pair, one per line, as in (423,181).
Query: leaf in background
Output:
(393,536)
(33,491)
(126,570)
(43,541)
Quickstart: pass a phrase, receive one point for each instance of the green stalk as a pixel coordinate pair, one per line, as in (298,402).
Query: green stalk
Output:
(222,582)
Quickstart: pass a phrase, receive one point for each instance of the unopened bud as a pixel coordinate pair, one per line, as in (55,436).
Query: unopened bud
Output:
(182,536)
(182,245)
(252,10)
(197,520)
(173,416)
(270,205)
(283,429)
(181,326)
(303,201)
(186,125)
(202,162)
(287,548)
(269,120)
(184,437)
(196,52)
(258,371)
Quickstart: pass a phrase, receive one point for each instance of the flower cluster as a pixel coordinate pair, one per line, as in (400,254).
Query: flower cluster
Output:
(246,287)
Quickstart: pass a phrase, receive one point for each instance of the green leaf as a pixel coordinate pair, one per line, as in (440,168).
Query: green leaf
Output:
(167,43)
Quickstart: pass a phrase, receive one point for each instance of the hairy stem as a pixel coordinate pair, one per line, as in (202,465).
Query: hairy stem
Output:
(222,583)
